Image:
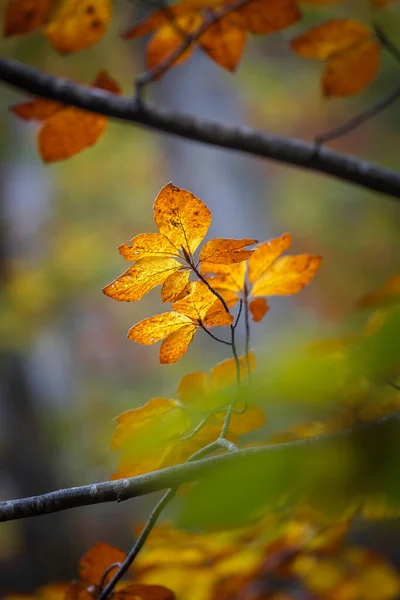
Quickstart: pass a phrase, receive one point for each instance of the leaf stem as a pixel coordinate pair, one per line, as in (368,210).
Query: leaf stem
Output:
(214,337)
(247,329)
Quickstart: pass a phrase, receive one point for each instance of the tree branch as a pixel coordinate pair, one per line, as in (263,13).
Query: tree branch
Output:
(124,489)
(290,151)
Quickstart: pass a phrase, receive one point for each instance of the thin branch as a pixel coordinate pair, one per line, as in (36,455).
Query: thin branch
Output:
(106,591)
(239,314)
(286,150)
(124,489)
(247,329)
(210,18)
(387,43)
(214,337)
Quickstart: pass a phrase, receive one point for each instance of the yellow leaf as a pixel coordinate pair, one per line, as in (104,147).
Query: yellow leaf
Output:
(266,254)
(168,38)
(176,344)
(174,285)
(287,275)
(77,24)
(253,418)
(226,251)
(224,373)
(148,244)
(197,301)
(142,277)
(350,72)
(181,217)
(191,386)
(153,329)
(258,308)
(330,38)
(227,280)
(217,318)
(24,16)
(266,16)
(224,43)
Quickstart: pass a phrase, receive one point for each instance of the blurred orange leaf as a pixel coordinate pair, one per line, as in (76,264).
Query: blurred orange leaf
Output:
(224,43)
(265,254)
(97,560)
(351,52)
(389,291)
(77,24)
(140,591)
(227,280)
(24,16)
(258,308)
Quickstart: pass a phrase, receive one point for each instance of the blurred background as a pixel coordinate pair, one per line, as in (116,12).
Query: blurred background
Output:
(67,368)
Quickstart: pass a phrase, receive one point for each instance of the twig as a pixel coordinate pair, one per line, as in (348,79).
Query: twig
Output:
(359,119)
(214,337)
(386,42)
(138,544)
(211,17)
(247,329)
(287,150)
(106,572)
(239,313)
(124,489)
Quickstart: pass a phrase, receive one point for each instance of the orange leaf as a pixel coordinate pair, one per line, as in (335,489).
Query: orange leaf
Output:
(169,38)
(77,24)
(197,301)
(153,329)
(224,373)
(181,217)
(332,37)
(131,421)
(174,285)
(141,591)
(97,560)
(350,72)
(266,16)
(217,318)
(24,16)
(176,344)
(80,590)
(258,308)
(159,18)
(253,418)
(38,110)
(148,244)
(226,251)
(191,386)
(142,277)
(390,290)
(105,82)
(287,275)
(227,277)
(224,43)
(266,254)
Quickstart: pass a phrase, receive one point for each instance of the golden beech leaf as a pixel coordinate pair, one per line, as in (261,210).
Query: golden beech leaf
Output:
(77,24)
(332,37)
(287,275)
(266,253)
(253,418)
(217,318)
(176,344)
(226,251)
(227,280)
(24,16)
(36,110)
(258,308)
(168,38)
(141,591)
(349,73)
(142,277)
(157,19)
(174,285)
(224,373)
(153,329)
(146,245)
(157,410)
(266,16)
(181,217)
(197,301)
(95,562)
(224,43)
(192,385)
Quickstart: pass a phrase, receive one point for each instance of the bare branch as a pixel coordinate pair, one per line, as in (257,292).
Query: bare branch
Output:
(286,150)
(124,489)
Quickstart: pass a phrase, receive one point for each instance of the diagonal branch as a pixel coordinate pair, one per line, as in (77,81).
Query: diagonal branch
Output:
(286,150)
(124,489)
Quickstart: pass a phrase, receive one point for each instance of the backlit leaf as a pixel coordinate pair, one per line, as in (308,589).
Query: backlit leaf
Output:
(253,418)
(224,373)
(168,38)
(224,43)
(176,344)
(181,217)
(217,318)
(145,245)
(24,16)
(265,254)
(226,251)
(267,16)
(192,385)
(97,560)
(258,308)
(287,275)
(332,37)
(197,301)
(157,19)
(139,279)
(153,329)
(350,72)
(77,24)
(174,285)
(37,110)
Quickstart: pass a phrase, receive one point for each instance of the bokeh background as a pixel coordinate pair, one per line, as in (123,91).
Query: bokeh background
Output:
(67,368)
